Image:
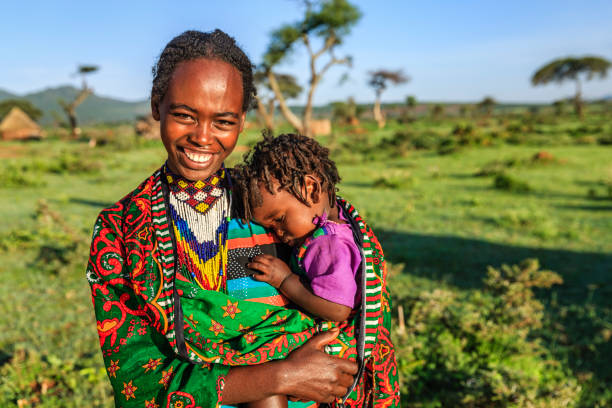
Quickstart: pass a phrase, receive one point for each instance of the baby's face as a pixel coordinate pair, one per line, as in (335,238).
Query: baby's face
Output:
(289,218)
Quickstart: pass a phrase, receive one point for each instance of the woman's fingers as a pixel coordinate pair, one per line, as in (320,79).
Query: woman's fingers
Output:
(320,340)
(312,374)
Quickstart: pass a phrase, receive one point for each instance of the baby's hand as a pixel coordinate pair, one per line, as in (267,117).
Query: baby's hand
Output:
(271,269)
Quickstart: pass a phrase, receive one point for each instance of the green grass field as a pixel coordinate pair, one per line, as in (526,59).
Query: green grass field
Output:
(440,225)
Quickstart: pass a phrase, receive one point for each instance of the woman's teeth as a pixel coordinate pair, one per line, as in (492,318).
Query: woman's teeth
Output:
(198,158)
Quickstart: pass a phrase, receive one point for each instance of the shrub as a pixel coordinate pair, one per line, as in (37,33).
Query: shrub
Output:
(13,176)
(466,134)
(448,146)
(394,181)
(403,141)
(473,349)
(69,162)
(605,140)
(506,182)
(496,167)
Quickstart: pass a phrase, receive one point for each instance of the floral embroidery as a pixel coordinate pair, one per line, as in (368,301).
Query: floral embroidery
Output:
(128,390)
(216,327)
(113,366)
(166,377)
(250,337)
(152,365)
(151,404)
(231,309)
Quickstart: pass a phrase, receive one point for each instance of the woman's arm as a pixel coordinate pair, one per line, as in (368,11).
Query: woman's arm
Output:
(276,272)
(307,374)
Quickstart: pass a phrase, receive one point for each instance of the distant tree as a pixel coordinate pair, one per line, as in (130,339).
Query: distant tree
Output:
(437,111)
(70,107)
(8,104)
(465,109)
(328,20)
(266,98)
(572,68)
(559,106)
(487,105)
(378,81)
(346,112)
(411,103)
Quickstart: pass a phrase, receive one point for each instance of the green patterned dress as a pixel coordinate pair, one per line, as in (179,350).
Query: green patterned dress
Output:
(160,355)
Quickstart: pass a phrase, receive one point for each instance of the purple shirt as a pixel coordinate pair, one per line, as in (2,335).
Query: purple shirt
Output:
(332,261)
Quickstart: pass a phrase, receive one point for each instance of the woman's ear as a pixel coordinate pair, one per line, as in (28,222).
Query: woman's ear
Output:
(155,108)
(313,189)
(242,120)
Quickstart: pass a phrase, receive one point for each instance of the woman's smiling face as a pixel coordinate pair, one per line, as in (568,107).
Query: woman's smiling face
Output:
(200,116)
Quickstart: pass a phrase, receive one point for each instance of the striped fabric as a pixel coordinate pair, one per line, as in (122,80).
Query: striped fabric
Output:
(246,241)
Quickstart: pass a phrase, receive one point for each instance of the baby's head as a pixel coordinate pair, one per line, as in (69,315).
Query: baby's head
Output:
(285,182)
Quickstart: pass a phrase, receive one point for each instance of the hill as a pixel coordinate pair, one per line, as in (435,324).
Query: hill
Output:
(6,95)
(95,109)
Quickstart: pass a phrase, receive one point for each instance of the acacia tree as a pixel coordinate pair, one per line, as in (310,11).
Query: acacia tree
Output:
(346,112)
(70,107)
(559,107)
(378,81)
(486,105)
(26,106)
(266,99)
(329,21)
(437,111)
(572,68)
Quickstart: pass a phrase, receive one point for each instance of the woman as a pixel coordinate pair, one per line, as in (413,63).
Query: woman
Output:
(165,258)
(142,253)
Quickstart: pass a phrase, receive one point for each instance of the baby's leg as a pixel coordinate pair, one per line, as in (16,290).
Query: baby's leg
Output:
(276,401)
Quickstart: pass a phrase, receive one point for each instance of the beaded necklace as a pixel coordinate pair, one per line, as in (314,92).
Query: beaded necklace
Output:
(200,213)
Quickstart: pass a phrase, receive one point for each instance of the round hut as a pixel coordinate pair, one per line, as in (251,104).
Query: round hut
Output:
(17,125)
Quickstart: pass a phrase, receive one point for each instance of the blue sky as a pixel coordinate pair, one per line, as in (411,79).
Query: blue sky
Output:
(452,50)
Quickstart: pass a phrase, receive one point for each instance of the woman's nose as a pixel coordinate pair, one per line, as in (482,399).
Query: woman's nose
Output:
(202,134)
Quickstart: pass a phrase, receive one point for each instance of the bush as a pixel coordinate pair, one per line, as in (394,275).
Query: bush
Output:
(506,182)
(13,176)
(473,349)
(448,146)
(394,181)
(605,140)
(403,141)
(496,167)
(73,163)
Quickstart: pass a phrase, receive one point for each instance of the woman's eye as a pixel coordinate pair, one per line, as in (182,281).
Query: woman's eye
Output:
(183,116)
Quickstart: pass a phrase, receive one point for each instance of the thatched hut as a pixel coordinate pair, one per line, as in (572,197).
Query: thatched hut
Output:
(147,127)
(17,125)
(321,127)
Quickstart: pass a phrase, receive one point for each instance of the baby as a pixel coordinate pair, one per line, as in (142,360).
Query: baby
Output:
(288,185)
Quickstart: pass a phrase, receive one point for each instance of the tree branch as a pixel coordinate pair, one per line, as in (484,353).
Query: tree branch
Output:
(266,116)
(307,44)
(282,104)
(329,43)
(333,61)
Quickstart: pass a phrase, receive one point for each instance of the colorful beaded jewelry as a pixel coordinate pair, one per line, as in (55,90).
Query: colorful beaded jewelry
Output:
(200,213)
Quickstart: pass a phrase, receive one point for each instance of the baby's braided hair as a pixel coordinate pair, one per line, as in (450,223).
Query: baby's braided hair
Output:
(286,159)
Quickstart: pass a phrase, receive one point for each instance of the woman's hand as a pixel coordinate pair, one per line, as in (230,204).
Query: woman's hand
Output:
(307,374)
(310,374)
(271,269)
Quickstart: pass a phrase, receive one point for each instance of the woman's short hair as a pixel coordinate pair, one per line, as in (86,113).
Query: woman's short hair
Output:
(211,45)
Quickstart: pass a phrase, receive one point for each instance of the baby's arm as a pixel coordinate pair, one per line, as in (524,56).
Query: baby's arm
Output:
(276,272)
